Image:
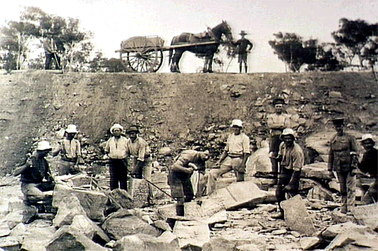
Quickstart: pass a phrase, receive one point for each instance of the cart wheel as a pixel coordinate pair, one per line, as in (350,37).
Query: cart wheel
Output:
(149,60)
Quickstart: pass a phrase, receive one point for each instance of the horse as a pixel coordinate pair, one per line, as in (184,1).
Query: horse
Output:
(214,36)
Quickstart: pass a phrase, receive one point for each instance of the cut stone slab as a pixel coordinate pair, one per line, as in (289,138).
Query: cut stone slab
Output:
(307,243)
(297,217)
(332,231)
(367,215)
(143,242)
(82,224)
(317,170)
(123,222)
(139,192)
(94,203)
(10,243)
(37,238)
(193,233)
(259,161)
(68,239)
(354,239)
(67,210)
(122,198)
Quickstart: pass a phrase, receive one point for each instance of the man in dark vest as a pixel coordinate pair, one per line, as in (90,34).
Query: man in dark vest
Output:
(244,46)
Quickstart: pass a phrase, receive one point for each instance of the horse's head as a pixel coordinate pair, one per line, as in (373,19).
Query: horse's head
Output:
(222,29)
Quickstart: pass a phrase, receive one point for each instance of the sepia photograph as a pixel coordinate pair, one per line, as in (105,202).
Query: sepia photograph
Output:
(182,125)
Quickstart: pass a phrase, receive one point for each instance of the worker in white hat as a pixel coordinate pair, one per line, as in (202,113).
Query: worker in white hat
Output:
(234,156)
(291,160)
(36,178)
(116,149)
(369,165)
(70,152)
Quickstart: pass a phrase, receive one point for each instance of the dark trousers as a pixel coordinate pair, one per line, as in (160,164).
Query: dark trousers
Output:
(283,180)
(274,145)
(118,174)
(49,57)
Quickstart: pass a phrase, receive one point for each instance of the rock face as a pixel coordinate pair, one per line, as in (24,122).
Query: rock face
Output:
(297,217)
(123,223)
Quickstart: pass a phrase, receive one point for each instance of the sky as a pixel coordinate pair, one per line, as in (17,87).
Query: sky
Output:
(112,21)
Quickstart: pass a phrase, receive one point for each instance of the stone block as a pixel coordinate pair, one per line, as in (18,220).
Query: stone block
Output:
(94,203)
(193,233)
(10,243)
(308,243)
(367,215)
(121,198)
(37,238)
(318,170)
(297,217)
(67,210)
(143,242)
(68,239)
(332,231)
(354,239)
(123,222)
(139,190)
(82,224)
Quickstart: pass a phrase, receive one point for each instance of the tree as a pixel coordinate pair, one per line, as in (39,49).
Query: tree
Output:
(293,50)
(351,37)
(369,53)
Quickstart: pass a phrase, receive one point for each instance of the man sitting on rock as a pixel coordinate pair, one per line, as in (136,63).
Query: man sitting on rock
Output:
(369,165)
(36,178)
(180,173)
(291,159)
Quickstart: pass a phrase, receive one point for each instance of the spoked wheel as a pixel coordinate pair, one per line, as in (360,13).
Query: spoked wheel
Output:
(149,60)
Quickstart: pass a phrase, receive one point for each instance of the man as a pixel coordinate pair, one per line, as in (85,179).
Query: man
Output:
(139,151)
(276,123)
(116,149)
(180,173)
(244,46)
(234,156)
(50,48)
(70,151)
(36,178)
(343,159)
(291,159)
(369,165)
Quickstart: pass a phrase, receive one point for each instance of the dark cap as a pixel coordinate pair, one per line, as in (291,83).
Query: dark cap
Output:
(338,121)
(278,101)
(132,129)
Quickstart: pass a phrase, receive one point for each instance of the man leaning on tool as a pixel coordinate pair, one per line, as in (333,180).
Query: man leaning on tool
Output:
(291,159)
(116,149)
(180,173)
(51,52)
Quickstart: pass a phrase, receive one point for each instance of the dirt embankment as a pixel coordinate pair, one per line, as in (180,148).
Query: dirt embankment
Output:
(174,110)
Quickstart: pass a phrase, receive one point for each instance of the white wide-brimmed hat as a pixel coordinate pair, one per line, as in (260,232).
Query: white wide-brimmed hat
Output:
(367,137)
(288,131)
(71,129)
(237,122)
(116,126)
(43,145)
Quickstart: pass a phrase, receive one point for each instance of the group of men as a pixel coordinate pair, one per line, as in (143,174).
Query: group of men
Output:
(286,155)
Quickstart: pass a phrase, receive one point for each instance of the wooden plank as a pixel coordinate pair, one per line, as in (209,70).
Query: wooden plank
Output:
(188,45)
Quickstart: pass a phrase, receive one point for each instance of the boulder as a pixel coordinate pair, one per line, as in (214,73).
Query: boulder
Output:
(319,193)
(68,239)
(94,203)
(259,161)
(82,224)
(67,210)
(143,242)
(193,233)
(10,243)
(4,229)
(123,223)
(297,217)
